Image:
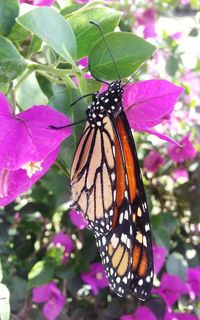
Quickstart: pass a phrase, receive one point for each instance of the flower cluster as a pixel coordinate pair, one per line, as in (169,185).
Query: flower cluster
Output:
(28,147)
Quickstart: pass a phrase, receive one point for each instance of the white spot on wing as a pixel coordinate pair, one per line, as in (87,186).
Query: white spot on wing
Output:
(140,282)
(114,241)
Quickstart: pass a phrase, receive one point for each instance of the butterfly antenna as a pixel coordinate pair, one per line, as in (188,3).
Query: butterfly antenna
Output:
(102,34)
(137,71)
(67,126)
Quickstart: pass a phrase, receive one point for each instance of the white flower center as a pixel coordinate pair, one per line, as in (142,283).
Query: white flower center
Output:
(32,167)
(99,276)
(4,174)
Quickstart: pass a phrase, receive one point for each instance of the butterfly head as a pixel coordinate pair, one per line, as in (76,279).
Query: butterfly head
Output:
(108,102)
(115,88)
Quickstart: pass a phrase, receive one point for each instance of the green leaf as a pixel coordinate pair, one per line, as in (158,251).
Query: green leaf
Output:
(12,64)
(194,32)
(4,302)
(18,33)
(61,100)
(4,87)
(128,50)
(177,265)
(70,8)
(18,287)
(54,181)
(42,272)
(51,27)
(9,10)
(35,45)
(35,95)
(86,33)
(172,66)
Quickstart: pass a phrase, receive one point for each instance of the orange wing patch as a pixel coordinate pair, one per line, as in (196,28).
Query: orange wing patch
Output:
(129,160)
(139,262)
(120,182)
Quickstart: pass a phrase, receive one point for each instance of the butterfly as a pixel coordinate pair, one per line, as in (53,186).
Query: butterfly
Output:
(107,188)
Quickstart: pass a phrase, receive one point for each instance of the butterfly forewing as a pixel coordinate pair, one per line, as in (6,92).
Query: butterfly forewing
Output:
(93,176)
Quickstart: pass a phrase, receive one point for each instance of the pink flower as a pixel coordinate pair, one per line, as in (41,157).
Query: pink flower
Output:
(82,1)
(194,280)
(176,35)
(17,217)
(83,62)
(140,314)
(153,161)
(159,254)
(148,103)
(185,2)
(181,154)
(77,219)
(28,147)
(95,277)
(193,79)
(180,174)
(62,240)
(179,316)
(52,297)
(38,2)
(171,288)
(147,18)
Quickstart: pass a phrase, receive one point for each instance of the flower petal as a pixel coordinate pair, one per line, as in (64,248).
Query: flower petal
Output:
(147,102)
(153,161)
(159,135)
(171,288)
(159,254)
(54,305)
(43,292)
(28,138)
(4,106)
(77,219)
(96,277)
(141,313)
(18,180)
(186,151)
(38,2)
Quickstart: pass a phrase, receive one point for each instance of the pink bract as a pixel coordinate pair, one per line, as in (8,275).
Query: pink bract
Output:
(183,153)
(148,103)
(52,297)
(77,219)
(141,313)
(159,254)
(171,288)
(38,2)
(179,316)
(95,277)
(179,173)
(147,18)
(65,241)
(153,161)
(28,147)
(194,280)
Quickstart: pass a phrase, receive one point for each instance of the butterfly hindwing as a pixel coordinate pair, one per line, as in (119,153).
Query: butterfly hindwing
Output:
(126,251)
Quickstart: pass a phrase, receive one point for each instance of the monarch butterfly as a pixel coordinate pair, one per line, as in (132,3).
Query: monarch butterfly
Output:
(107,189)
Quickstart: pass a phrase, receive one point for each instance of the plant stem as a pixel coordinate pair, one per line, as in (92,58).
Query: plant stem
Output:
(49,69)
(13,101)
(23,78)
